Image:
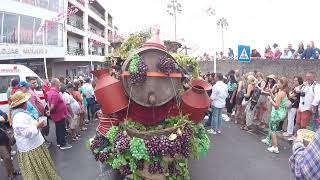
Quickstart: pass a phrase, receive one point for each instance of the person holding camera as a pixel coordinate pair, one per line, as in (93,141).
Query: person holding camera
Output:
(307,92)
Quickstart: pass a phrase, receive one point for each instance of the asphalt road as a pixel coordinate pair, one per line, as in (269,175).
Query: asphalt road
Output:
(234,155)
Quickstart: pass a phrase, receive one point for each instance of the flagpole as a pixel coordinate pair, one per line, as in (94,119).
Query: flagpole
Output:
(44,54)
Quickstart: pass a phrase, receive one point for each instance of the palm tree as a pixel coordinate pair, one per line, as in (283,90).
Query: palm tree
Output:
(222,24)
(173,8)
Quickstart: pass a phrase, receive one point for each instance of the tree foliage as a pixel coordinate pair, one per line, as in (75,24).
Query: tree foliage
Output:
(188,63)
(132,43)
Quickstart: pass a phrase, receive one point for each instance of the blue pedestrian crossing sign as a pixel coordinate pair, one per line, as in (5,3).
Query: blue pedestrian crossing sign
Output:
(243,53)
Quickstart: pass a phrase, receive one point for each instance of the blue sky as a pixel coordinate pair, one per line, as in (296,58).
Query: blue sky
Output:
(252,22)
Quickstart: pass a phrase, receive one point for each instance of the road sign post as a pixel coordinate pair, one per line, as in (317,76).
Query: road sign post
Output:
(244,53)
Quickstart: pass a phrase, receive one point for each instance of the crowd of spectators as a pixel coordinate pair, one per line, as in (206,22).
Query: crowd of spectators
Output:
(272,52)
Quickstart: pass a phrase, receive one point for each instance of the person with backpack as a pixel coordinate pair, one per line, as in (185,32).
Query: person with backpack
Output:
(260,103)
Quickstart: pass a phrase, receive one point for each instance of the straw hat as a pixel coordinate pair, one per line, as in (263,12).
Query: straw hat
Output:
(272,76)
(19,98)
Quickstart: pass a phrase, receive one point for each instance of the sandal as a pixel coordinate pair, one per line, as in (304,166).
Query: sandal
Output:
(246,128)
(11,178)
(17,173)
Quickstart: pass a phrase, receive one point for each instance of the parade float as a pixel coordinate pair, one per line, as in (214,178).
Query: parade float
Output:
(149,126)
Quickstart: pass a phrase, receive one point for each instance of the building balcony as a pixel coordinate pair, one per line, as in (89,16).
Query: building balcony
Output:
(75,51)
(110,21)
(76,23)
(97,12)
(96,32)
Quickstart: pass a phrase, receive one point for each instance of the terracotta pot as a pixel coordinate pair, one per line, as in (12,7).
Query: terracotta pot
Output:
(196,101)
(102,131)
(109,92)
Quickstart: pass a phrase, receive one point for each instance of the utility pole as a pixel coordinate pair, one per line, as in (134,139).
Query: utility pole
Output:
(173,8)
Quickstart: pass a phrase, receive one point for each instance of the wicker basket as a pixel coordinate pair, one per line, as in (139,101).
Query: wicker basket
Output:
(149,134)
(147,176)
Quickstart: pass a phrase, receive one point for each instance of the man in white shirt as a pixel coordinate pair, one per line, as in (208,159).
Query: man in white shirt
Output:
(309,95)
(315,104)
(218,97)
(287,54)
(89,93)
(73,109)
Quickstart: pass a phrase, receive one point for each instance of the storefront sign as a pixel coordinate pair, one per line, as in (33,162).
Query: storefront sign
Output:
(9,51)
(16,51)
(26,51)
(34,51)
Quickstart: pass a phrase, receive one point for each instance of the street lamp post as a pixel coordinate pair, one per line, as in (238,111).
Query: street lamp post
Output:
(173,8)
(223,24)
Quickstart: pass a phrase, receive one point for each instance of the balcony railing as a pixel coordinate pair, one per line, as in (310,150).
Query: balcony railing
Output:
(75,51)
(96,12)
(94,31)
(76,23)
(110,24)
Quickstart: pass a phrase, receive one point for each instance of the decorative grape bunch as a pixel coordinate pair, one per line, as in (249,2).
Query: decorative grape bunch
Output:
(97,141)
(155,168)
(172,169)
(166,65)
(112,133)
(138,149)
(122,143)
(184,139)
(140,165)
(125,170)
(103,157)
(162,146)
(138,70)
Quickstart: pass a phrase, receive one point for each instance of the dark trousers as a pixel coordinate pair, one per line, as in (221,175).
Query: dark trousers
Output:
(61,132)
(91,108)
(5,154)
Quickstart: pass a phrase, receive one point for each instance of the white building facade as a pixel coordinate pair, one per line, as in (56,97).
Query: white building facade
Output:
(55,37)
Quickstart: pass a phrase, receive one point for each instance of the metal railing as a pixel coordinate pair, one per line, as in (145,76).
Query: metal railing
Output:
(76,23)
(75,51)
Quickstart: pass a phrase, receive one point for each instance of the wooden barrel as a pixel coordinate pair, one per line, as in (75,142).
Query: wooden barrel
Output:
(159,85)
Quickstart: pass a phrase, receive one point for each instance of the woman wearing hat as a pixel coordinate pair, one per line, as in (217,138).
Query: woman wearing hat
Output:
(34,158)
(264,110)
